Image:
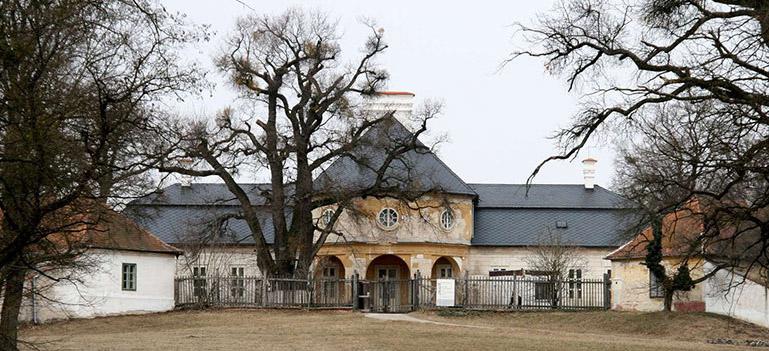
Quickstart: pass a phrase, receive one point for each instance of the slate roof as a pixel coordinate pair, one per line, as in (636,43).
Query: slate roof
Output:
(526,226)
(506,215)
(546,196)
(190,223)
(415,170)
(205,194)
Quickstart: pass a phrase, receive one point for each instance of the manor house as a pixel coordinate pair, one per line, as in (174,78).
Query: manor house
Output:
(466,228)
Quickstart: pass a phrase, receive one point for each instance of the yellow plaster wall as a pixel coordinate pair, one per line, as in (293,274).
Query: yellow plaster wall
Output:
(356,257)
(630,286)
(418,222)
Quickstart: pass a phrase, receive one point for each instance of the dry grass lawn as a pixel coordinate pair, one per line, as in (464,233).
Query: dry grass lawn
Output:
(342,330)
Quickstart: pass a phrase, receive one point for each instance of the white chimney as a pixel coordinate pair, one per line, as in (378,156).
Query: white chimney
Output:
(399,102)
(185,180)
(588,170)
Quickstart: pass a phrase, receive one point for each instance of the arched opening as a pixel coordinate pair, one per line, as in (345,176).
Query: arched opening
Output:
(389,283)
(445,267)
(330,288)
(387,267)
(329,267)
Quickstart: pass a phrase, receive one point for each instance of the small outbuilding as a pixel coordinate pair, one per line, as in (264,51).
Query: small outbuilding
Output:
(729,291)
(635,288)
(125,270)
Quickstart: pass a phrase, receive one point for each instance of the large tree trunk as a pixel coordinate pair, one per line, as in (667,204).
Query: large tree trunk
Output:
(9,317)
(668,301)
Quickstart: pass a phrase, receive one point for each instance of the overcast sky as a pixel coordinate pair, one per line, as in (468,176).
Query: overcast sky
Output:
(497,121)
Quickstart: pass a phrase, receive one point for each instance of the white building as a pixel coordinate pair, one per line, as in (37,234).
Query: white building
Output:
(130,271)
(737,296)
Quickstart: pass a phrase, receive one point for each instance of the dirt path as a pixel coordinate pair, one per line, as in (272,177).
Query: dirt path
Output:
(409,318)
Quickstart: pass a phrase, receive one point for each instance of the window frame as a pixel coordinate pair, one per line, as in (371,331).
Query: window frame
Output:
(393,214)
(575,283)
(127,284)
(447,213)
(325,216)
(200,281)
(656,290)
(444,268)
(544,290)
(237,281)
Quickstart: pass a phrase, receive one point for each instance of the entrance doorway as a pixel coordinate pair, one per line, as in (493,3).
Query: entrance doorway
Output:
(387,286)
(388,282)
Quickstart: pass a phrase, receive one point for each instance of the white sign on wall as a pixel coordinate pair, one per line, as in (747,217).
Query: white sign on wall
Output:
(444,293)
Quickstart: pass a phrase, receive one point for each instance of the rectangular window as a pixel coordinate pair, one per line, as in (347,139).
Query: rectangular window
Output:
(129,277)
(575,283)
(655,287)
(444,271)
(237,283)
(543,290)
(199,283)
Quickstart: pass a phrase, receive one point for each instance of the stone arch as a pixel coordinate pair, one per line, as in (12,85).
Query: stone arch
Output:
(445,267)
(329,267)
(387,261)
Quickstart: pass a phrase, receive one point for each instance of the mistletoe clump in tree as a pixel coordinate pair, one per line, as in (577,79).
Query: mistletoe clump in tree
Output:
(302,110)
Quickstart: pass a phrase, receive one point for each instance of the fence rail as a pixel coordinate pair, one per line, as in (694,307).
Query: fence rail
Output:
(228,291)
(471,292)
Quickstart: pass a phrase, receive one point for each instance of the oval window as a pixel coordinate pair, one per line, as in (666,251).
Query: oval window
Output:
(326,217)
(447,219)
(388,218)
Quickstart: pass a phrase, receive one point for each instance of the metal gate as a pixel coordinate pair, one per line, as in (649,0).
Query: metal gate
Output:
(389,296)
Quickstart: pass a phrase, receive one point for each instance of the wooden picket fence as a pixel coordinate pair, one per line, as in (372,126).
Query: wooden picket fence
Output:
(470,292)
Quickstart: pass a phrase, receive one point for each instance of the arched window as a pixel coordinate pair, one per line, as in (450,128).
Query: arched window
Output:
(388,218)
(326,217)
(447,219)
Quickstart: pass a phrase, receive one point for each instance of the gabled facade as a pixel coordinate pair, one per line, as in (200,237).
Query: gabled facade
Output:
(124,270)
(459,229)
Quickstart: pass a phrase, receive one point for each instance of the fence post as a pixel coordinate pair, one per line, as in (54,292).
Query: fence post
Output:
(467,289)
(606,291)
(310,289)
(264,290)
(415,290)
(355,291)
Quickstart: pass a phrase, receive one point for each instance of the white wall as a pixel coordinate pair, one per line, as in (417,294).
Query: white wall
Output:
(219,261)
(100,291)
(732,295)
(483,259)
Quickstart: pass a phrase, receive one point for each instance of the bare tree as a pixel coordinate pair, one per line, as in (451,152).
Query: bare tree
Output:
(554,257)
(675,153)
(631,60)
(79,87)
(302,110)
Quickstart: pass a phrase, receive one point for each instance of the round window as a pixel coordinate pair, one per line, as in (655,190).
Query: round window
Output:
(388,218)
(326,217)
(447,219)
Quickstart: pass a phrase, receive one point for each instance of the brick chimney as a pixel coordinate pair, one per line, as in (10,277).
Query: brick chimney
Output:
(401,102)
(588,171)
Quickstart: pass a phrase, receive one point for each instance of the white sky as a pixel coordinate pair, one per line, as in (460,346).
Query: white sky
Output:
(497,121)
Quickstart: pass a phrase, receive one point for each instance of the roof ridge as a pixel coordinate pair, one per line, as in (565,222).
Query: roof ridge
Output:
(547,184)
